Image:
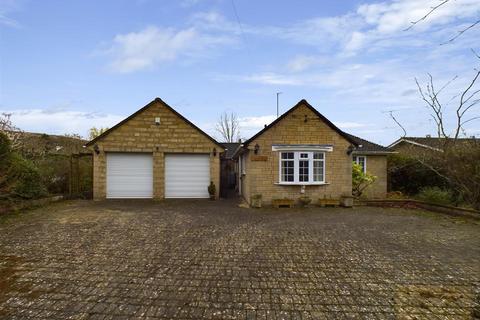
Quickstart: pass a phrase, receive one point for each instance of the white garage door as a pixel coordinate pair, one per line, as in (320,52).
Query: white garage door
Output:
(129,175)
(187,175)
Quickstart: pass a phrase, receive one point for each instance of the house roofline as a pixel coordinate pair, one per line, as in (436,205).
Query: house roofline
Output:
(359,152)
(318,114)
(393,144)
(156,100)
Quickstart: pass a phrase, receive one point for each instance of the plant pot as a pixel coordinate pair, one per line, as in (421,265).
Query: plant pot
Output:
(304,201)
(256,201)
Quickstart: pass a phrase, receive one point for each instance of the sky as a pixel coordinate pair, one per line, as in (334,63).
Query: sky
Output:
(66,66)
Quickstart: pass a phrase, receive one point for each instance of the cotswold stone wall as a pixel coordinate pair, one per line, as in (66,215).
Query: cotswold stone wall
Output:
(141,134)
(263,169)
(377,165)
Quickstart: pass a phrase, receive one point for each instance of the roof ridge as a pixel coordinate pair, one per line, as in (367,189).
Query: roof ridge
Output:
(366,140)
(317,113)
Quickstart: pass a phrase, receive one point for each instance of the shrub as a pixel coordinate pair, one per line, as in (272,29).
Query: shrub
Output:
(435,195)
(18,177)
(360,180)
(27,179)
(409,176)
(5,147)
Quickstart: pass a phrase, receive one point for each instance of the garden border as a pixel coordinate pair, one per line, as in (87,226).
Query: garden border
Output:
(418,204)
(28,204)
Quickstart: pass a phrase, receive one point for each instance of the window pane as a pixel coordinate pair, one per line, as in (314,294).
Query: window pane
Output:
(287,155)
(318,170)
(355,159)
(318,155)
(303,170)
(287,171)
(304,155)
(361,162)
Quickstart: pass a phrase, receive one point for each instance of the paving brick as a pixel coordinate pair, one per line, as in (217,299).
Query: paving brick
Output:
(213,260)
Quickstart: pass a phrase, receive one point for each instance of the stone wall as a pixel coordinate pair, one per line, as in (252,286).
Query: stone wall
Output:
(377,165)
(141,134)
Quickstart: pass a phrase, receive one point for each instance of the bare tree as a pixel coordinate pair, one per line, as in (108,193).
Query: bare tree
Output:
(456,159)
(228,127)
(432,10)
(13,133)
(467,99)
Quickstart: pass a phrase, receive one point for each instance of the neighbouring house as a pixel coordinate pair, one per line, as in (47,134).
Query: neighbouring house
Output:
(302,153)
(155,153)
(420,145)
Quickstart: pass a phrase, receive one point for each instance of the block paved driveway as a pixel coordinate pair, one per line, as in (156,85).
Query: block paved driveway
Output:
(213,260)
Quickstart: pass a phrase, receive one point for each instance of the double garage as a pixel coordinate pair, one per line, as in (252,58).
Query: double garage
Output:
(131,175)
(155,153)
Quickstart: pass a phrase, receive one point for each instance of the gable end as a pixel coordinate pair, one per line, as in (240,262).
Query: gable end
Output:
(318,114)
(151,103)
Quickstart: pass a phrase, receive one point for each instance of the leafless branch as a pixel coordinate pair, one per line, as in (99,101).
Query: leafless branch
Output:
(459,33)
(13,133)
(228,127)
(398,123)
(475,53)
(432,9)
(462,109)
(471,119)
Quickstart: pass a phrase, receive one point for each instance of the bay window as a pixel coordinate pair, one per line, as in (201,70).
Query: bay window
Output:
(302,167)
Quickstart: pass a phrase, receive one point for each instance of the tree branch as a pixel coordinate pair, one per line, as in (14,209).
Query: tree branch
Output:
(432,9)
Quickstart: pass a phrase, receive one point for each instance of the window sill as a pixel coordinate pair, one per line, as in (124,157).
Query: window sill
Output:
(302,183)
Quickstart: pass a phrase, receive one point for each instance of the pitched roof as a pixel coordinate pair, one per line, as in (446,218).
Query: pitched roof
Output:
(230,148)
(435,143)
(365,146)
(318,114)
(156,100)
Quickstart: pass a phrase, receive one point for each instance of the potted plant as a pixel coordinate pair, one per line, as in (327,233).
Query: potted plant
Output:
(304,201)
(256,200)
(212,190)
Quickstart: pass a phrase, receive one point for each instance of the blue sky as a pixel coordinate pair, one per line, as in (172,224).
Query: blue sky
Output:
(69,65)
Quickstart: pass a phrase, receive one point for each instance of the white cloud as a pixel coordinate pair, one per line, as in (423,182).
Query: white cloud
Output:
(256,122)
(61,121)
(376,25)
(155,46)
(349,125)
(304,62)
(394,16)
(6,8)
(272,79)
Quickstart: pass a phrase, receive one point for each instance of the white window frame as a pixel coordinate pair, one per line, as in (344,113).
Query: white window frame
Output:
(296,168)
(355,160)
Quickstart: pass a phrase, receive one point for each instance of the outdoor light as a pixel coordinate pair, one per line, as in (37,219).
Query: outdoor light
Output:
(350,149)
(214,152)
(96,149)
(157,121)
(256,148)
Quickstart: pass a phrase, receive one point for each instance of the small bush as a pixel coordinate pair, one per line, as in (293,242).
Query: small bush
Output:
(19,178)
(407,175)
(28,181)
(435,195)
(396,195)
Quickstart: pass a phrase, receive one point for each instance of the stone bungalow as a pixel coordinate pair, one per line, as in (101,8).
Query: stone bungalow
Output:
(302,153)
(157,153)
